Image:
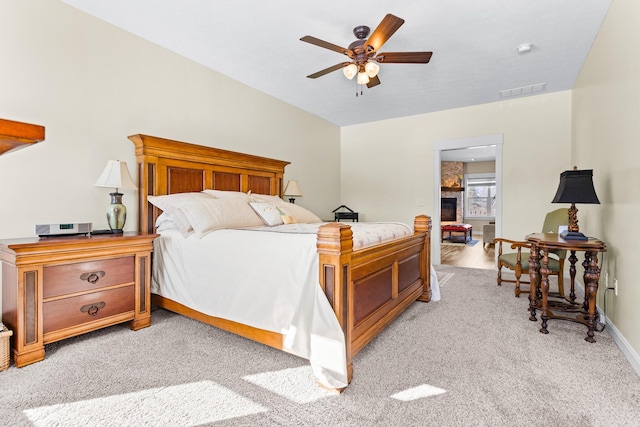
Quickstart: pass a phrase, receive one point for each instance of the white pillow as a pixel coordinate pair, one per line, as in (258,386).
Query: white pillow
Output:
(164,222)
(267,198)
(224,194)
(170,205)
(207,215)
(301,214)
(269,212)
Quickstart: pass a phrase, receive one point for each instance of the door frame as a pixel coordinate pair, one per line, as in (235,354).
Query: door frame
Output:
(454,144)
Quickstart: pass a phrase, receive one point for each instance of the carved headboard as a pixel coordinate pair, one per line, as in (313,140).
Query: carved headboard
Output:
(168,167)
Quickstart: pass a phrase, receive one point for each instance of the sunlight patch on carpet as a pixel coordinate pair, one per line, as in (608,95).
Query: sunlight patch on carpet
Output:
(296,384)
(420,392)
(179,405)
(445,278)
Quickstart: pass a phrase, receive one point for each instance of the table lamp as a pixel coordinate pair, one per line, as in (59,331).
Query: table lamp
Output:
(576,186)
(116,175)
(292,191)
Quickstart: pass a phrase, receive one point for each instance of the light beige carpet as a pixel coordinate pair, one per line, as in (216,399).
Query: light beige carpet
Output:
(471,359)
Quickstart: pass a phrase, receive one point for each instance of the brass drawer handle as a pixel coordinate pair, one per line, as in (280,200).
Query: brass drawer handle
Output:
(92,277)
(92,309)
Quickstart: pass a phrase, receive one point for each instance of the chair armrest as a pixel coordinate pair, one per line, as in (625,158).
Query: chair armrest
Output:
(514,243)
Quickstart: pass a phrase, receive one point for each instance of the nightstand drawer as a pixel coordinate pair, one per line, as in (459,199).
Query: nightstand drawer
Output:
(82,276)
(66,312)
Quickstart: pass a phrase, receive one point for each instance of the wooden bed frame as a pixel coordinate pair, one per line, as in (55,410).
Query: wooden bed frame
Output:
(367,288)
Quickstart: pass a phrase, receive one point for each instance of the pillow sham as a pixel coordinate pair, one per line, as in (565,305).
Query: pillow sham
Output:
(301,215)
(170,205)
(224,194)
(211,214)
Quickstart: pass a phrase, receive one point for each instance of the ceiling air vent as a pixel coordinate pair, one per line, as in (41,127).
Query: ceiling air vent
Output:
(524,90)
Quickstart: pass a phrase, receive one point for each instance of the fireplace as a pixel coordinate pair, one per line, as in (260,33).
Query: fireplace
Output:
(448,209)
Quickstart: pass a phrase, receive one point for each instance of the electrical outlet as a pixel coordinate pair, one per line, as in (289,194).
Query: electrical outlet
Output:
(615,286)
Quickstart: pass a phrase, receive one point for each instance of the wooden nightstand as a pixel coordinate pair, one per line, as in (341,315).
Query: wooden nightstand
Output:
(56,288)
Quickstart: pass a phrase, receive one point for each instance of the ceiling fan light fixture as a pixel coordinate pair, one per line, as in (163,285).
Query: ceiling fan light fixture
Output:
(363,78)
(350,71)
(371,69)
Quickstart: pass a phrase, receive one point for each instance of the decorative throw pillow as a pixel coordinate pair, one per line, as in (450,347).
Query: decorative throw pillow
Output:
(288,219)
(269,212)
(302,215)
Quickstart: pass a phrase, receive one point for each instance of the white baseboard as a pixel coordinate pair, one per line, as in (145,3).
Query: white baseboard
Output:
(629,352)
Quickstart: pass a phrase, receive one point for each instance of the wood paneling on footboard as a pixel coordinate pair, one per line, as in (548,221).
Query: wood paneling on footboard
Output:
(378,283)
(372,292)
(408,272)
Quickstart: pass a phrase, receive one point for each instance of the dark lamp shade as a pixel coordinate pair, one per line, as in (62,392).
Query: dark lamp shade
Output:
(576,186)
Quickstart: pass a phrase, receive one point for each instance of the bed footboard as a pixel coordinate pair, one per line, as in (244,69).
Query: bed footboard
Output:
(370,287)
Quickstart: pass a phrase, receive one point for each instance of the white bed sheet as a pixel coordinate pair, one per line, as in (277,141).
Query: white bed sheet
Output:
(283,297)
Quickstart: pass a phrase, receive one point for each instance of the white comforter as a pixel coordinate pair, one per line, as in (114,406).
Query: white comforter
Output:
(248,287)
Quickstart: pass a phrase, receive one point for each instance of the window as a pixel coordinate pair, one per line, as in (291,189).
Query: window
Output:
(480,196)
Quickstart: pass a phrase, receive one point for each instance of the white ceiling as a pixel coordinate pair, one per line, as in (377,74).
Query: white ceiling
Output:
(474,45)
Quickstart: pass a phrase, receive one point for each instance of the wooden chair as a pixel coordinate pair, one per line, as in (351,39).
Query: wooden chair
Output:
(519,262)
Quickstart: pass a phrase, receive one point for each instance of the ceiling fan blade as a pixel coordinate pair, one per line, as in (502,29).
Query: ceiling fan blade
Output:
(328,70)
(373,81)
(404,57)
(385,29)
(324,44)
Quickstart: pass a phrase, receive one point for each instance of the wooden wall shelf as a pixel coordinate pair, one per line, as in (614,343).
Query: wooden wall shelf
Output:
(16,135)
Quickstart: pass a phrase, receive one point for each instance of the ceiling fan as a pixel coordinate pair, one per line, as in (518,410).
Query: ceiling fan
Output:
(364,54)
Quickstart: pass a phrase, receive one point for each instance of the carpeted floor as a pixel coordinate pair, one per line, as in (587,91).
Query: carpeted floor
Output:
(471,359)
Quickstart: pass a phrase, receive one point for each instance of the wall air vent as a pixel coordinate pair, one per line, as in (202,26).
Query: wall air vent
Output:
(524,90)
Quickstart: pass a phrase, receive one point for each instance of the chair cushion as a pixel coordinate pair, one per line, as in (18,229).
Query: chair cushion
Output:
(511,259)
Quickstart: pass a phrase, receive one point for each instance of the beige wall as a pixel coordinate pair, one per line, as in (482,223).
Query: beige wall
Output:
(606,108)
(91,85)
(387,166)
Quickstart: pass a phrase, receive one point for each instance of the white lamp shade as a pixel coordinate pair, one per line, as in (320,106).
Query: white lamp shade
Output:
(116,175)
(292,189)
(350,71)
(363,79)
(371,69)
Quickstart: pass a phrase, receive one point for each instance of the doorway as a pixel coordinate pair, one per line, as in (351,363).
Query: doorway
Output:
(467,146)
